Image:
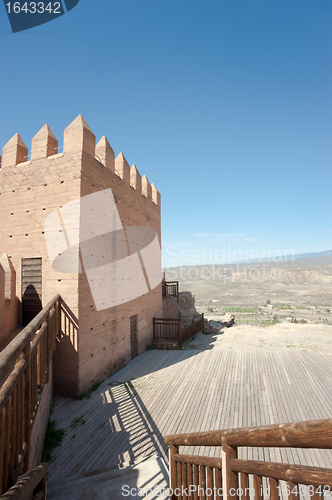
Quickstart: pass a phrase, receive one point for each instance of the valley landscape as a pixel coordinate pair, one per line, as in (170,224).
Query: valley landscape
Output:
(262,293)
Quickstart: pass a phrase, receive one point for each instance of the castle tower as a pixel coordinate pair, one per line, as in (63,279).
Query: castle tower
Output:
(43,194)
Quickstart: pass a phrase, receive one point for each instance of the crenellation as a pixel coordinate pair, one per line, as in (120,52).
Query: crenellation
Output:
(135,179)
(79,138)
(105,153)
(146,188)
(122,168)
(14,152)
(44,144)
(156,198)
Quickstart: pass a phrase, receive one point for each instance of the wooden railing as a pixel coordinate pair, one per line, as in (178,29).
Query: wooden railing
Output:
(24,370)
(229,478)
(33,483)
(170,289)
(191,328)
(167,329)
(172,329)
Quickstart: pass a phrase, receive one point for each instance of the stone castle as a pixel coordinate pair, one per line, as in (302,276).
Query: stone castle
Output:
(94,344)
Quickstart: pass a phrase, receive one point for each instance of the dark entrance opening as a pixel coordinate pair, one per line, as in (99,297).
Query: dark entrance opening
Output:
(31,289)
(133,336)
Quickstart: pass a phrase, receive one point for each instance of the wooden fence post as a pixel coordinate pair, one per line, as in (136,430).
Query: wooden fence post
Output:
(230,481)
(172,450)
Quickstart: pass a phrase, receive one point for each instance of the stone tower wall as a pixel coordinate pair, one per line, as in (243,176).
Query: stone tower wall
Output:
(94,344)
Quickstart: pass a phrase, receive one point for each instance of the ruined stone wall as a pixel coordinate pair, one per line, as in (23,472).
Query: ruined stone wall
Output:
(170,308)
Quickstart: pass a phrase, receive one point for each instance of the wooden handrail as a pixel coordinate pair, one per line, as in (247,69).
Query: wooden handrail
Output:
(310,434)
(286,472)
(10,354)
(228,476)
(213,462)
(35,480)
(24,370)
(173,329)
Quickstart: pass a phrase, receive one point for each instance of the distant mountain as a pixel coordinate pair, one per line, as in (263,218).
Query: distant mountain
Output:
(312,259)
(310,270)
(301,256)
(327,253)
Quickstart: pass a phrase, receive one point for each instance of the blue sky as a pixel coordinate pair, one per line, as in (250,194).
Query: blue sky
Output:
(224,105)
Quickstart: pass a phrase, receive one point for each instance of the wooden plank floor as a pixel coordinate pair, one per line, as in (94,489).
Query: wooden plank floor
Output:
(168,392)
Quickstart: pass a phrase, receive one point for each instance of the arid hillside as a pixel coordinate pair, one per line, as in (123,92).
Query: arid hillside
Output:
(262,293)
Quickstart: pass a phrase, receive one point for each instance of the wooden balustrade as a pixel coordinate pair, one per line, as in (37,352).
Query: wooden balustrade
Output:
(172,329)
(191,328)
(167,329)
(231,478)
(24,370)
(33,483)
(170,289)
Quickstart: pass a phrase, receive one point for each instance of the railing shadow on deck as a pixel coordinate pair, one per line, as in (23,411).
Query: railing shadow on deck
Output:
(111,429)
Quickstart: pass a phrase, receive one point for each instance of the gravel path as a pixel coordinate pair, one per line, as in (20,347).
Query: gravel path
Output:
(317,338)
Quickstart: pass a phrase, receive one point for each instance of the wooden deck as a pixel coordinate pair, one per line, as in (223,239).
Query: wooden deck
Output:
(168,392)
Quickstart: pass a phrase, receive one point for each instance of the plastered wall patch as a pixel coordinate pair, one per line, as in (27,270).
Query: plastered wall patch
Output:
(86,235)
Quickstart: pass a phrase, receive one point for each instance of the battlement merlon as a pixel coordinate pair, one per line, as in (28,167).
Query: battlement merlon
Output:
(105,154)
(14,152)
(156,198)
(79,138)
(122,168)
(44,144)
(146,188)
(135,179)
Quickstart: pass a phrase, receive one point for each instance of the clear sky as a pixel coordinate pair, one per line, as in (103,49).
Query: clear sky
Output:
(224,105)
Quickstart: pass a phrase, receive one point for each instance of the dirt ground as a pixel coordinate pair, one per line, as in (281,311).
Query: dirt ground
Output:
(316,338)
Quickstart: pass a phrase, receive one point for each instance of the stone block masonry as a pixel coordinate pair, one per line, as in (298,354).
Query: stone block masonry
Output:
(94,344)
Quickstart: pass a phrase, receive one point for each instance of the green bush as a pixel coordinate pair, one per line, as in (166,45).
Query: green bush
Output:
(53,439)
